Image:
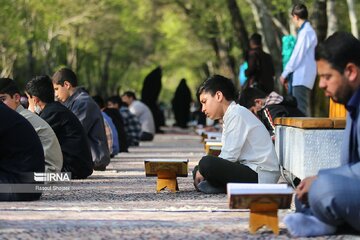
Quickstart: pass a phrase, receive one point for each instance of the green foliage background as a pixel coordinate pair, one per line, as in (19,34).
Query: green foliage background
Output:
(113,44)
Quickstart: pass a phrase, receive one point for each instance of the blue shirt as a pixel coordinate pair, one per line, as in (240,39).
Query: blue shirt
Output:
(115,138)
(302,61)
(353,108)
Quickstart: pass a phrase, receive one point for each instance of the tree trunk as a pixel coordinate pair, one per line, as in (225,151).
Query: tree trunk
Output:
(319,19)
(332,18)
(106,69)
(319,22)
(7,63)
(218,43)
(71,57)
(30,59)
(222,53)
(291,23)
(73,52)
(353,18)
(226,66)
(238,24)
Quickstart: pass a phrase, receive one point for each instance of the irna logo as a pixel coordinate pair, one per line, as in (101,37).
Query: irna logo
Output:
(52,177)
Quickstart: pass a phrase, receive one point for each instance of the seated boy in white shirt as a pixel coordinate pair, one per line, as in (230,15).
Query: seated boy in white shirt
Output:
(247,153)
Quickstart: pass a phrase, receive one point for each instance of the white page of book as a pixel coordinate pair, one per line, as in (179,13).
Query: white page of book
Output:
(255,188)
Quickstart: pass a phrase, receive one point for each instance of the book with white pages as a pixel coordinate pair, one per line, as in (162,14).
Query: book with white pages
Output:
(242,195)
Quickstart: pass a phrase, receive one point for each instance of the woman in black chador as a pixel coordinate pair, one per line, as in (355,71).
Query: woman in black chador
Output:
(150,94)
(181,104)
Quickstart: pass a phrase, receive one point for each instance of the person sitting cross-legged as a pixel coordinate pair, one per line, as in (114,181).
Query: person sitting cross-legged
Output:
(329,201)
(132,126)
(247,153)
(142,111)
(110,129)
(268,107)
(77,100)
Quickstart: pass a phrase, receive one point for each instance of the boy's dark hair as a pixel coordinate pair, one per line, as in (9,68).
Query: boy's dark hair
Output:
(41,87)
(116,99)
(256,39)
(65,74)
(8,86)
(99,100)
(130,94)
(339,49)
(248,96)
(218,83)
(300,10)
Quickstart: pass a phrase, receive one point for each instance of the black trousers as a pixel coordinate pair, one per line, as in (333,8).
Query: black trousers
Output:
(218,172)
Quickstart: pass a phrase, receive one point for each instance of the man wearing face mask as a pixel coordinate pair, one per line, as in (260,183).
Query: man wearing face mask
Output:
(10,95)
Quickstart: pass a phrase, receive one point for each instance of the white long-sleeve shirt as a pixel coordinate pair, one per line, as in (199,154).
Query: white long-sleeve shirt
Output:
(144,115)
(246,140)
(302,61)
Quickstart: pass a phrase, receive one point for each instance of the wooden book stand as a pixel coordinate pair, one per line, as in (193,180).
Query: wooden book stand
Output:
(264,214)
(263,200)
(166,171)
(166,179)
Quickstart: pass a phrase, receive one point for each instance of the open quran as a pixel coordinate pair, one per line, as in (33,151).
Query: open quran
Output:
(243,195)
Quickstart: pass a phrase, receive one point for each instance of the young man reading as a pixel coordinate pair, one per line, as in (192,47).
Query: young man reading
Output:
(247,153)
(331,199)
(77,100)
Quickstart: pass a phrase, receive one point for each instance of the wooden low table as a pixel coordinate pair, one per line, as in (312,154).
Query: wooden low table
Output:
(263,200)
(311,123)
(166,171)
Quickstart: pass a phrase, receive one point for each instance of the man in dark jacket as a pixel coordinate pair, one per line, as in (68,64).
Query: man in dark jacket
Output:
(260,72)
(87,111)
(68,129)
(21,154)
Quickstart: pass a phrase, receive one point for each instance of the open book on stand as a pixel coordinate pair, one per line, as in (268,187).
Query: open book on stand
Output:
(242,195)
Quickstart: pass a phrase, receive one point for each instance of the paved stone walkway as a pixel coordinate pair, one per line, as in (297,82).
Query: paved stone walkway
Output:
(121,203)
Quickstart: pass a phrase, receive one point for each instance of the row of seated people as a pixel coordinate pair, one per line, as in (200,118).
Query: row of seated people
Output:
(247,154)
(71,131)
(126,122)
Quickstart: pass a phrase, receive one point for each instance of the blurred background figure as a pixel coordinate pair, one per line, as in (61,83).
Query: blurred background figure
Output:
(141,110)
(181,104)
(24,101)
(260,72)
(132,126)
(150,94)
